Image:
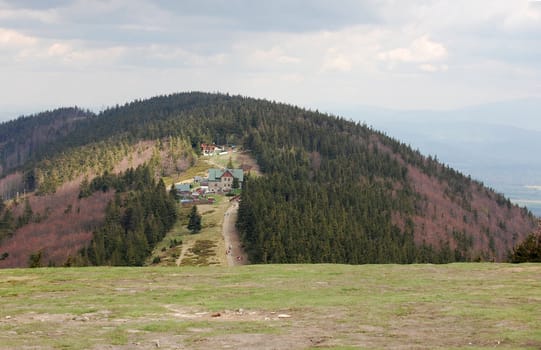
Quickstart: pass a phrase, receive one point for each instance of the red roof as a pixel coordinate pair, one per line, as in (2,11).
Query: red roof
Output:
(208,147)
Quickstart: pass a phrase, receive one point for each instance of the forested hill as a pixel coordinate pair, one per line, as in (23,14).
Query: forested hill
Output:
(332,191)
(23,139)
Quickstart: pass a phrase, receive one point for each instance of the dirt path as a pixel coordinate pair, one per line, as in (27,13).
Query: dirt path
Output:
(182,254)
(235,254)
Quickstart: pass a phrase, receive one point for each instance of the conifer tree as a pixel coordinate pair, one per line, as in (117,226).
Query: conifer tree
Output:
(528,251)
(194,222)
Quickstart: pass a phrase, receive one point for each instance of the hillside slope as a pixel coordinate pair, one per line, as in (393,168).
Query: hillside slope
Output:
(28,138)
(332,190)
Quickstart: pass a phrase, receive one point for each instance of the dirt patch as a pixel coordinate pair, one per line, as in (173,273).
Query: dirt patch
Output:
(248,163)
(254,341)
(231,315)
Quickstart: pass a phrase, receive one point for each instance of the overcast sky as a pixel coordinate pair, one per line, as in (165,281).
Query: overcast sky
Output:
(317,54)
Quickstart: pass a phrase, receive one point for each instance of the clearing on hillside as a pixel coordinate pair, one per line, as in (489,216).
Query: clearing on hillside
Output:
(218,242)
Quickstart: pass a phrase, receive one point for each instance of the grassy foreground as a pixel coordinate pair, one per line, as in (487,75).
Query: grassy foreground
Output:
(467,306)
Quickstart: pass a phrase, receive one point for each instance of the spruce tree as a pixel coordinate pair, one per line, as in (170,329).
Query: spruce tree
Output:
(527,251)
(194,222)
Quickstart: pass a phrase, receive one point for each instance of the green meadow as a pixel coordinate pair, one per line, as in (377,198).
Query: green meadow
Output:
(456,306)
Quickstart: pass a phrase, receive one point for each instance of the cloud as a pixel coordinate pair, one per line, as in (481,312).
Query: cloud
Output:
(421,49)
(278,15)
(338,63)
(59,49)
(525,17)
(275,55)
(12,38)
(22,14)
(361,49)
(292,78)
(142,28)
(44,54)
(431,68)
(170,56)
(73,56)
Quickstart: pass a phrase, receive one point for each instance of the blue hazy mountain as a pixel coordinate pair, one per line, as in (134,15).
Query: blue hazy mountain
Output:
(498,143)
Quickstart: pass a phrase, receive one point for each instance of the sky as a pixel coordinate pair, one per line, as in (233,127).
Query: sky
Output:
(326,55)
